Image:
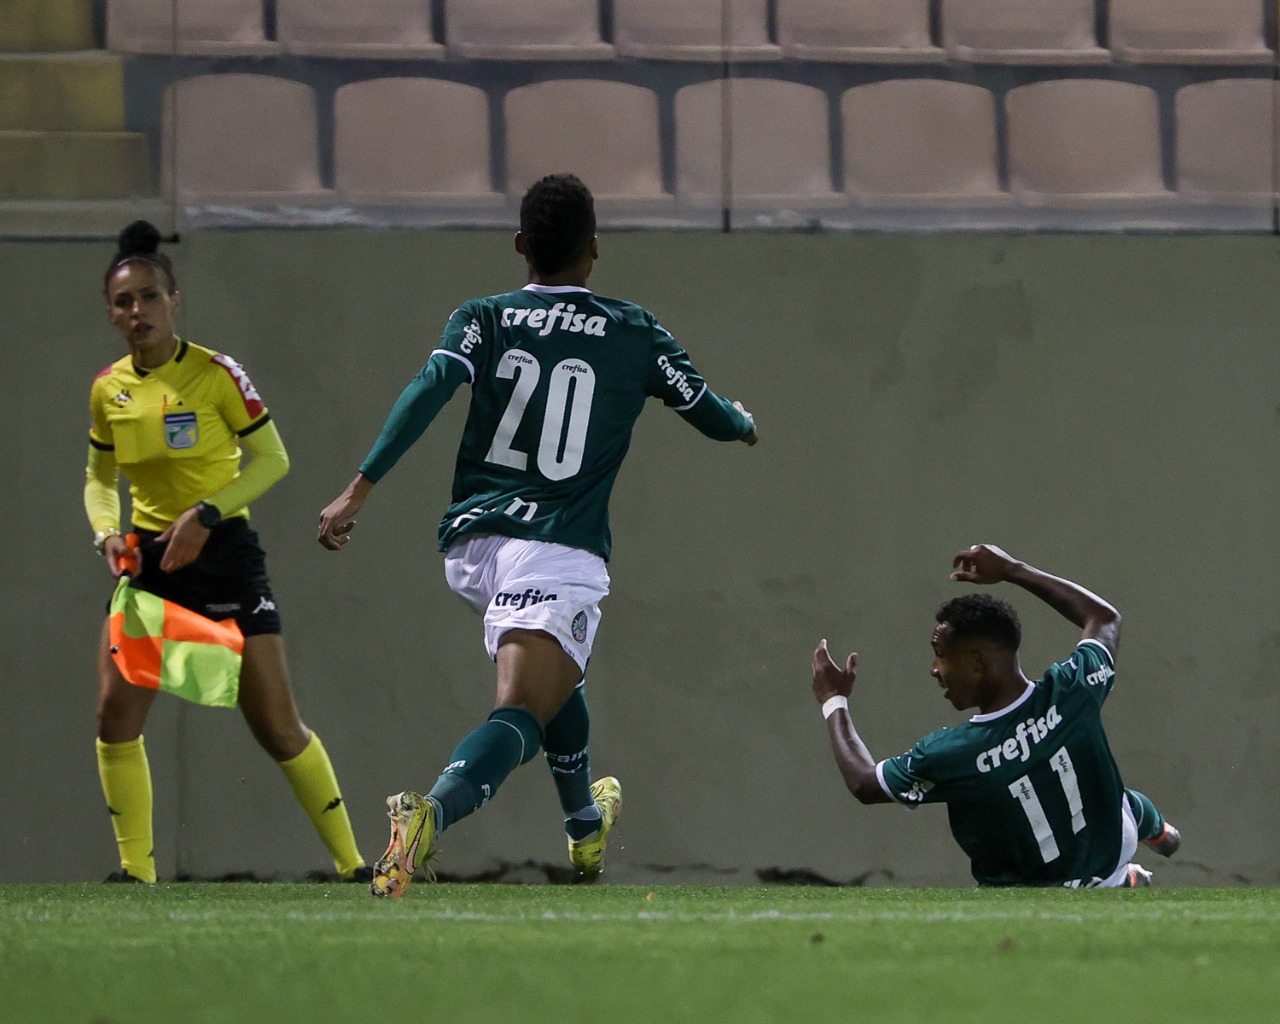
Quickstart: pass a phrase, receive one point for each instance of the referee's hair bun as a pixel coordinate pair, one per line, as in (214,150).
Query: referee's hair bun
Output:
(141,238)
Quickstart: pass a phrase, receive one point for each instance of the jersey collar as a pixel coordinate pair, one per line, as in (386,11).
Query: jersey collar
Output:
(177,358)
(555,289)
(1026,695)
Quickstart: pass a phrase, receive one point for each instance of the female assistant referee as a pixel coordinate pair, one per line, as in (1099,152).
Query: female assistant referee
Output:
(175,417)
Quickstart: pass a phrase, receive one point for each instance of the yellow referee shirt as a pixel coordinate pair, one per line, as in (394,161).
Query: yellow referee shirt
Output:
(175,430)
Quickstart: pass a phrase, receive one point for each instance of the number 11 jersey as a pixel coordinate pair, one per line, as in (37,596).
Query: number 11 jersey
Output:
(1033,793)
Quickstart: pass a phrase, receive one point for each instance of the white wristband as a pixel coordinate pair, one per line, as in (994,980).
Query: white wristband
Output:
(832,704)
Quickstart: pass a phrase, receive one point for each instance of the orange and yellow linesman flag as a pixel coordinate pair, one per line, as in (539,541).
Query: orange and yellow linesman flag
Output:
(163,646)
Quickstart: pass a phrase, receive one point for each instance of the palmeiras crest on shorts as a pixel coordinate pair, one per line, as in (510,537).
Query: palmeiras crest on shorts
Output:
(579,627)
(181,430)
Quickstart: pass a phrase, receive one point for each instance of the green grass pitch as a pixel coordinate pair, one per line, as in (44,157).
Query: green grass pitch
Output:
(491,954)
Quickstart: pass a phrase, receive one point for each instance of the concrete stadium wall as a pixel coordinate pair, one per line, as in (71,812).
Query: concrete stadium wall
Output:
(1106,407)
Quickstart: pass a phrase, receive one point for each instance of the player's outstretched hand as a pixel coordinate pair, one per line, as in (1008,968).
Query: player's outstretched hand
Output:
(337,519)
(752,437)
(982,563)
(829,679)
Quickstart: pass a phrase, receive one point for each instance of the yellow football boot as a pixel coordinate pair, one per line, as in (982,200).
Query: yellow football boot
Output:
(413,835)
(587,855)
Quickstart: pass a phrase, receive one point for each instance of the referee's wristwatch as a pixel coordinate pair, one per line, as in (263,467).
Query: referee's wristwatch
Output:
(209,515)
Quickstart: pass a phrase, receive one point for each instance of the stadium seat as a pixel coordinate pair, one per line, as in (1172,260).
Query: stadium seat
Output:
(779,145)
(216,28)
(611,140)
(44,26)
(1227,140)
(1189,32)
(396,29)
(694,30)
(1084,142)
(1021,32)
(243,139)
(412,140)
(525,30)
(920,142)
(863,31)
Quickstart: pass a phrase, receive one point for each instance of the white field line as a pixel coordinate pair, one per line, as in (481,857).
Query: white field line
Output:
(407,914)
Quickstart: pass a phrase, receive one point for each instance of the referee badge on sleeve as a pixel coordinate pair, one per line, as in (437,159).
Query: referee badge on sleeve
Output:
(181,429)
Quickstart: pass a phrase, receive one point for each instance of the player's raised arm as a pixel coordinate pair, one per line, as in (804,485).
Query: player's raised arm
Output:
(986,563)
(831,688)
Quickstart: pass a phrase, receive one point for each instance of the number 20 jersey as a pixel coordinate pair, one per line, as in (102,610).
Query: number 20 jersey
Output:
(1033,793)
(559,377)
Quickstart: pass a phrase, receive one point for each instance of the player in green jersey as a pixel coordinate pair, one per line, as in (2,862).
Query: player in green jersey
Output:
(1033,793)
(558,377)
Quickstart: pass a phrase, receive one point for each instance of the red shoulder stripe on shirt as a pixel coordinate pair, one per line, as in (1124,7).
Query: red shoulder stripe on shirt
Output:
(253,404)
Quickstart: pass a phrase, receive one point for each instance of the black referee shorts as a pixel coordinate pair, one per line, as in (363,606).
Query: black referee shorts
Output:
(228,580)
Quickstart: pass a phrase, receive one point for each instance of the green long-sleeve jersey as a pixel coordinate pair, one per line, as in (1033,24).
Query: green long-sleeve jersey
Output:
(559,376)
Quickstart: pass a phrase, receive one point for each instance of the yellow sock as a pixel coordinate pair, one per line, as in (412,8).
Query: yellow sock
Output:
(126,783)
(316,787)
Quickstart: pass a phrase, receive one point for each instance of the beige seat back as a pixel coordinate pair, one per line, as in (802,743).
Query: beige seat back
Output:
(1084,138)
(775,135)
(603,131)
(920,140)
(239,136)
(411,139)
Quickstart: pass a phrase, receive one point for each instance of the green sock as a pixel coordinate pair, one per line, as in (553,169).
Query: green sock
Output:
(569,759)
(1150,821)
(476,769)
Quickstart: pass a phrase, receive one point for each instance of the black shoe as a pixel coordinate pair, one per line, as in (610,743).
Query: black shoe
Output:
(363,874)
(121,875)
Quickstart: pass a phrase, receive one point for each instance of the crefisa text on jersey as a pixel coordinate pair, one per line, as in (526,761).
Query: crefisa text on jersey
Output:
(676,378)
(1018,746)
(570,320)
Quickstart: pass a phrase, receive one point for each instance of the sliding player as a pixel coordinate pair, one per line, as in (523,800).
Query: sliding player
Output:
(1033,793)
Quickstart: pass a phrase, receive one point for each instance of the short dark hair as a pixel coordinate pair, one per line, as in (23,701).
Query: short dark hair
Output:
(982,617)
(139,242)
(558,221)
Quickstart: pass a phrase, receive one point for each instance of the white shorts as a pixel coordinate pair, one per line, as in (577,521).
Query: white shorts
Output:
(1128,847)
(530,584)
